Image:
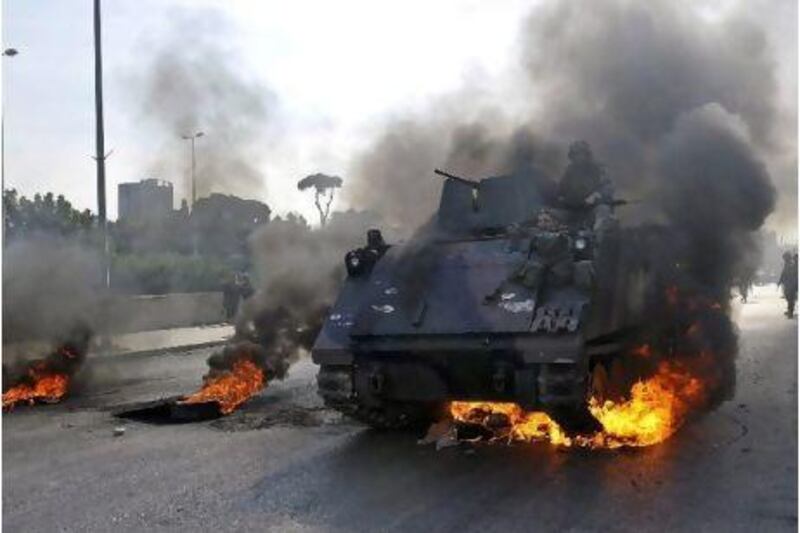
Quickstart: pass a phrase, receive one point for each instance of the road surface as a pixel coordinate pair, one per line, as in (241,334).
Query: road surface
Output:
(285,464)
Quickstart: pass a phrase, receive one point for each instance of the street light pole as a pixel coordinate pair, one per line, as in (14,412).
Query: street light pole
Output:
(192,138)
(8,52)
(194,181)
(100,157)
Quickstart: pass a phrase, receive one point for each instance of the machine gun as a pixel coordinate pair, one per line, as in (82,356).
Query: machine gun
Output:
(620,203)
(464,181)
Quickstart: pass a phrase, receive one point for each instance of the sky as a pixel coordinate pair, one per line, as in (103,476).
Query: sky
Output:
(332,82)
(335,70)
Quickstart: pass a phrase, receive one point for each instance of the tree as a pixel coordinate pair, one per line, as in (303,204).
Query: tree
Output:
(324,186)
(44,215)
(221,224)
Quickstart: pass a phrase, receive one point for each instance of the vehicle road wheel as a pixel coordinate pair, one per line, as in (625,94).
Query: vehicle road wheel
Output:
(619,380)
(598,383)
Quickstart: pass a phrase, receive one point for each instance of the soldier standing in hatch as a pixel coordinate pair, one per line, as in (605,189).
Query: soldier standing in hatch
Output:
(583,184)
(584,189)
(788,281)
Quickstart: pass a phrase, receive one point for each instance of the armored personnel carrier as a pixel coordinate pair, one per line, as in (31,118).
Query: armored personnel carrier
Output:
(500,297)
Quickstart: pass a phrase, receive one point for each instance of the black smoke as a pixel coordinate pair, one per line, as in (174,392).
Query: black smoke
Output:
(715,192)
(617,74)
(194,80)
(682,108)
(51,305)
(299,270)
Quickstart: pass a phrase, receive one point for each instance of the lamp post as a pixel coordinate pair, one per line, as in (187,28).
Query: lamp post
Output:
(8,52)
(100,159)
(100,156)
(192,138)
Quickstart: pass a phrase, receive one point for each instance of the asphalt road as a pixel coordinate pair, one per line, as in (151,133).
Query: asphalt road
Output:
(285,464)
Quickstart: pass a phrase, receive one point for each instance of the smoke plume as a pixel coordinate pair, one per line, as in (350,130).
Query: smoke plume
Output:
(618,74)
(50,301)
(49,286)
(681,107)
(194,81)
(298,272)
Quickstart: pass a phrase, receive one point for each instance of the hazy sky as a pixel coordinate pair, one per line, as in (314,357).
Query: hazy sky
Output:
(336,70)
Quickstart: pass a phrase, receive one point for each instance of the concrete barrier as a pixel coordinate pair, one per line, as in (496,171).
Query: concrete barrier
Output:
(130,313)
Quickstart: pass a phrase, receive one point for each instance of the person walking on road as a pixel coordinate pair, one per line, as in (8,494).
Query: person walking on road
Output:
(230,298)
(788,281)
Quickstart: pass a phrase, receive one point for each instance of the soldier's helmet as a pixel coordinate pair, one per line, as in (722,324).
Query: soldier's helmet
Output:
(579,151)
(375,239)
(546,221)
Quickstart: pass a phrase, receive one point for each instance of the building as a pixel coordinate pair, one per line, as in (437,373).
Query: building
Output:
(146,200)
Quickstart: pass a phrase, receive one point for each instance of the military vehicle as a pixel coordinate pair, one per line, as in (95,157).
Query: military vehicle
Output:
(502,297)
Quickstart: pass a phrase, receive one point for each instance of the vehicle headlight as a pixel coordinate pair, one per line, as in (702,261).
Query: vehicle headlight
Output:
(581,243)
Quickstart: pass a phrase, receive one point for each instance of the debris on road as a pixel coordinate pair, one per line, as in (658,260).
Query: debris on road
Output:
(443,433)
(169,410)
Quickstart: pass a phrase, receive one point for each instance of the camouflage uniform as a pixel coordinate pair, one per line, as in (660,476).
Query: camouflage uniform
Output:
(585,188)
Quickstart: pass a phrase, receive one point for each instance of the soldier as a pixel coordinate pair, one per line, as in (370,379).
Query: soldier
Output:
(583,184)
(375,241)
(788,281)
(586,192)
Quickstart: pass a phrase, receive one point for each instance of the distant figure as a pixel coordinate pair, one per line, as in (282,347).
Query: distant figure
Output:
(745,285)
(244,286)
(230,298)
(583,184)
(788,281)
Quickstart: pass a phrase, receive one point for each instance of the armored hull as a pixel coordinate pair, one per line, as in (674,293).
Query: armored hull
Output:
(499,298)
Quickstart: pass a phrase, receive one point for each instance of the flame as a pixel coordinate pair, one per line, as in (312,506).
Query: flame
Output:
(657,408)
(522,426)
(231,388)
(652,411)
(43,385)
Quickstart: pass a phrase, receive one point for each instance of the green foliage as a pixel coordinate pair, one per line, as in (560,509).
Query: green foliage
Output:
(160,273)
(44,215)
(182,252)
(221,224)
(170,234)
